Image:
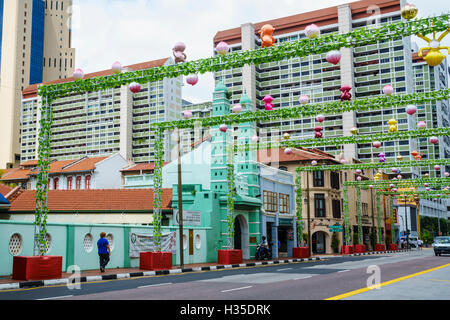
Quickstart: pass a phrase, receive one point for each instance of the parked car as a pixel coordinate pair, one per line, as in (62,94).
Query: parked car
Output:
(441,245)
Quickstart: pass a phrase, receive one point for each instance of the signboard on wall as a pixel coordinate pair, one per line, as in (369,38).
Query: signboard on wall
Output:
(144,242)
(190,218)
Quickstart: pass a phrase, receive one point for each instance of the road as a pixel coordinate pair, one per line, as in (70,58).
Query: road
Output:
(401,276)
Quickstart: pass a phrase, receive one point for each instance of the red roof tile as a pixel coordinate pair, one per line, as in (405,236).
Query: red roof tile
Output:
(4,189)
(94,200)
(31,91)
(16,174)
(299,154)
(142,167)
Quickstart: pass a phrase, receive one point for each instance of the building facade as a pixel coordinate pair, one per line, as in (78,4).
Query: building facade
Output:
(104,122)
(35,47)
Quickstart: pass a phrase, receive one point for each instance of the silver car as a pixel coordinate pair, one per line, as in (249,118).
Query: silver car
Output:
(441,245)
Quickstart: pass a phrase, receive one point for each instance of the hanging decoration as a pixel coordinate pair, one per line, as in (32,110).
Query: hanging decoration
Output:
(304,99)
(288,151)
(192,79)
(178,52)
(421,125)
(434,56)
(388,90)
(434,140)
(237,108)
(318,134)
(376,144)
(333,57)
(381,157)
(78,74)
(266,35)
(320,118)
(411,109)
(223,128)
(312,31)
(392,125)
(222,48)
(255,138)
(116,67)
(134,87)
(187,114)
(268,106)
(346,95)
(354,130)
(409,11)
(416,155)
(286,136)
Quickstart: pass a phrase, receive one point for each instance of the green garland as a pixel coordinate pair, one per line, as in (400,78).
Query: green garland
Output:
(298,112)
(157,196)
(346,217)
(359,214)
(403,182)
(378,200)
(287,50)
(385,165)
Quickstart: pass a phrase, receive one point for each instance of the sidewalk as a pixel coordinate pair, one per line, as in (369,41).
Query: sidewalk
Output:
(6,282)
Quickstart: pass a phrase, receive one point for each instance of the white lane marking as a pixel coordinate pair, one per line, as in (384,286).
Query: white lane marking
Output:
(55,298)
(242,288)
(155,285)
(343,271)
(284,269)
(307,277)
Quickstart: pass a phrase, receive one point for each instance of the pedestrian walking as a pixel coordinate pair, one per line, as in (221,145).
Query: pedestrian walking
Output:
(103,251)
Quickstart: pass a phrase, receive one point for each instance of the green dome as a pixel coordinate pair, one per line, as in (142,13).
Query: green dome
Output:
(220,87)
(245,100)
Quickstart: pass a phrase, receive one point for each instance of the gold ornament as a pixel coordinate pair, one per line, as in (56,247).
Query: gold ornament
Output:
(392,125)
(354,130)
(409,11)
(434,56)
(286,136)
(399,158)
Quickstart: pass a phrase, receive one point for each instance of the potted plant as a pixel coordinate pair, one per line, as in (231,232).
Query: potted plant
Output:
(335,242)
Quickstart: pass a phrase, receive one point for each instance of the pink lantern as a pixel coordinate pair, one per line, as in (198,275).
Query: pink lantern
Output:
(135,87)
(343,161)
(117,67)
(447,174)
(426,185)
(421,125)
(359,178)
(320,118)
(179,46)
(222,48)
(304,99)
(223,128)
(388,90)
(434,140)
(394,170)
(314,163)
(427,189)
(371,187)
(78,74)
(392,186)
(376,144)
(358,171)
(268,106)
(288,151)
(333,57)
(411,109)
(399,177)
(255,138)
(437,168)
(236,108)
(192,79)
(178,52)
(187,114)
(394,190)
(312,31)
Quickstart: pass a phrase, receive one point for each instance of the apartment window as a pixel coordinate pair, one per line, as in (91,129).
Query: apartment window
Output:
(87,183)
(270,201)
(319,205)
(55,183)
(284,203)
(318,179)
(336,206)
(78,183)
(69,183)
(334,177)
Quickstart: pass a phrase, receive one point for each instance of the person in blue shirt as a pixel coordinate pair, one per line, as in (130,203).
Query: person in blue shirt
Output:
(103,251)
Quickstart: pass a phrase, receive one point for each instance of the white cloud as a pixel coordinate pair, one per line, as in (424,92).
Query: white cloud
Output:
(133,31)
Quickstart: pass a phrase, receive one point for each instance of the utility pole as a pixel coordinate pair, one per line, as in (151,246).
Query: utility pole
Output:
(180,203)
(372,236)
(407,231)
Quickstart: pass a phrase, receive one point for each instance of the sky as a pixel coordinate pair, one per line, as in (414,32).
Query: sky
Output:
(134,31)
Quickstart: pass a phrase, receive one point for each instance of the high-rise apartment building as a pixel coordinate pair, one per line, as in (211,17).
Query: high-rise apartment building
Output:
(104,122)
(35,47)
(367,69)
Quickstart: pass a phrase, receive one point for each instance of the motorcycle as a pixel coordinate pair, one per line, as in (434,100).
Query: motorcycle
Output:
(263,253)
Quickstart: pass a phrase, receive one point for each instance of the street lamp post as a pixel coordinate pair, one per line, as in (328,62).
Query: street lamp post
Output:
(308,213)
(407,231)
(180,203)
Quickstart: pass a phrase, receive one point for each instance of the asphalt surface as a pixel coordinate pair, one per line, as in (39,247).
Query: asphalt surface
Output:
(314,280)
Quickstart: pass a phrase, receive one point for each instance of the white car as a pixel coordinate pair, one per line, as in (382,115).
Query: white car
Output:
(413,241)
(441,245)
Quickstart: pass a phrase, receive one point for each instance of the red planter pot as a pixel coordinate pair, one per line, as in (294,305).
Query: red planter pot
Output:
(300,252)
(155,260)
(37,268)
(360,248)
(393,247)
(233,256)
(347,249)
(380,247)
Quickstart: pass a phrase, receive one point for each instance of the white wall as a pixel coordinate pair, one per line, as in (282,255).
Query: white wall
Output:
(107,174)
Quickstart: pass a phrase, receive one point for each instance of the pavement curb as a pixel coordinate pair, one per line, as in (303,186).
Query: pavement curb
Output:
(85,279)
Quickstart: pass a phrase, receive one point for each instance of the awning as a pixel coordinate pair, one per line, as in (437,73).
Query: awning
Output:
(3,201)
